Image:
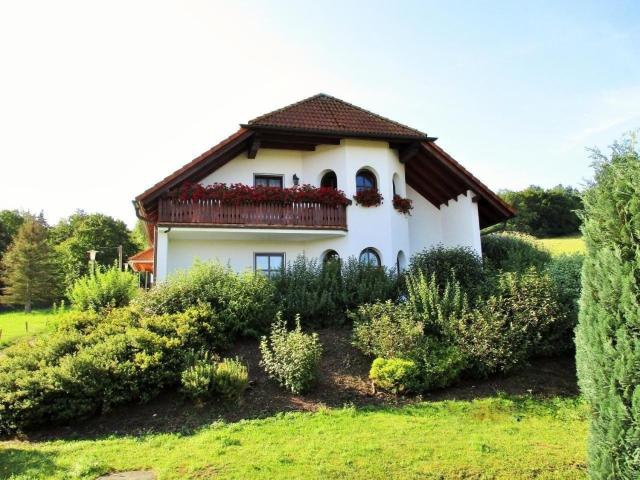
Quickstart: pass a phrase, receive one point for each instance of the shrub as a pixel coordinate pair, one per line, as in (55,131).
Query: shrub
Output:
(437,307)
(386,330)
(315,290)
(442,262)
(396,375)
(566,273)
(198,378)
(513,252)
(440,363)
(367,284)
(206,376)
(291,357)
(519,320)
(231,378)
(607,339)
(244,303)
(89,366)
(421,331)
(103,289)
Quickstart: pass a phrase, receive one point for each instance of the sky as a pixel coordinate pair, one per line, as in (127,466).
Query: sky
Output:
(100,100)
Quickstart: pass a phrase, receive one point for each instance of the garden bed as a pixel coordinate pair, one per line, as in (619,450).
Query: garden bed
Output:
(343,380)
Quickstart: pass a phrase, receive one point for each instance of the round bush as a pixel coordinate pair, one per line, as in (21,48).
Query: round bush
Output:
(513,252)
(396,375)
(463,263)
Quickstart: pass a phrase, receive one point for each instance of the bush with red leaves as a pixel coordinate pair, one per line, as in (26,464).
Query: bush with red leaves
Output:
(370,197)
(240,194)
(403,205)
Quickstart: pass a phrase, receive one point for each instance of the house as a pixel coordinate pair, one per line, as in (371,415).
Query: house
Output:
(352,158)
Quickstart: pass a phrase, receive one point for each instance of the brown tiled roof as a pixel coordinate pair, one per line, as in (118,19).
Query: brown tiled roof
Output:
(326,114)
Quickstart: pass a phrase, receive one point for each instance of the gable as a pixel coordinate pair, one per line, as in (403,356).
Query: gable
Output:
(323,119)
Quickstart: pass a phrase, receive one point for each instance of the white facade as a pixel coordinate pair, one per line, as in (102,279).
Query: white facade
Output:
(394,236)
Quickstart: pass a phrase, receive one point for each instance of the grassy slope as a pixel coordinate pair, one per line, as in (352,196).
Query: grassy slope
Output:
(560,245)
(494,438)
(13,325)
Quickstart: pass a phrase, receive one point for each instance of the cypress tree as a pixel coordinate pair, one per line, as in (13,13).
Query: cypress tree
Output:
(608,332)
(30,270)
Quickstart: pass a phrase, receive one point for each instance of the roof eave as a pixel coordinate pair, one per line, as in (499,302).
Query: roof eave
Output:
(338,133)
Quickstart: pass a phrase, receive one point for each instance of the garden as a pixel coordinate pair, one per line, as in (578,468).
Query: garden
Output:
(344,340)
(458,367)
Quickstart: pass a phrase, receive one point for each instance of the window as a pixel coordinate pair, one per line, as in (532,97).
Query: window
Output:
(330,256)
(369,256)
(401,262)
(365,180)
(267,181)
(329,180)
(271,264)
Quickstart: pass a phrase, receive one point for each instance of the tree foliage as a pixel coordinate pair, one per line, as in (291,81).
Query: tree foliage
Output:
(608,333)
(29,264)
(81,232)
(545,212)
(10,222)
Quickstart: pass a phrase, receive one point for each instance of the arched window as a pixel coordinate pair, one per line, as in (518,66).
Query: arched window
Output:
(365,180)
(330,256)
(329,180)
(369,256)
(397,185)
(401,262)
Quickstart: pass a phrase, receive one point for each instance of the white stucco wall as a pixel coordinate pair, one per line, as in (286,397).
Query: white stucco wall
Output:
(461,224)
(382,228)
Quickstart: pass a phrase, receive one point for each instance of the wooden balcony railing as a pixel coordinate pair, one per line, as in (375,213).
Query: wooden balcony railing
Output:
(213,213)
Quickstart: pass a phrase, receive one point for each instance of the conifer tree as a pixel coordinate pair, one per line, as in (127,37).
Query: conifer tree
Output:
(29,266)
(608,333)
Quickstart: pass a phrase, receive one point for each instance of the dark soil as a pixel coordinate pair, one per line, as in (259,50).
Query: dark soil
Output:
(343,380)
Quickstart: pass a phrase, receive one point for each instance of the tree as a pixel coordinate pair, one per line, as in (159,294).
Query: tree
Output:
(545,212)
(608,332)
(30,269)
(10,221)
(81,232)
(139,235)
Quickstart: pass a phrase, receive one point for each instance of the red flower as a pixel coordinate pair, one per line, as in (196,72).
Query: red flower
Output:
(238,193)
(403,205)
(369,197)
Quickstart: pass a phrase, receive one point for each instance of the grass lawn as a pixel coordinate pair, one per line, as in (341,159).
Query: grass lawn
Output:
(568,244)
(496,438)
(15,325)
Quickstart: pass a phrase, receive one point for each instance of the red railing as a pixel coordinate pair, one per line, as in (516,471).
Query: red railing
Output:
(212,212)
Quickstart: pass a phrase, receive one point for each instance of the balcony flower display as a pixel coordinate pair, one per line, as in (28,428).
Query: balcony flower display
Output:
(240,194)
(403,205)
(369,197)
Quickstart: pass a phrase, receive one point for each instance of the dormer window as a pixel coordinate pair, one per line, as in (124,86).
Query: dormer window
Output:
(267,181)
(365,180)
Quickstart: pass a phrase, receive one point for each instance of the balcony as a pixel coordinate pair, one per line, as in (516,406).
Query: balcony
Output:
(211,213)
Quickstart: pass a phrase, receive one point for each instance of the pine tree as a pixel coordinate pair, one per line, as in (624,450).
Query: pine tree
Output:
(29,266)
(608,333)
